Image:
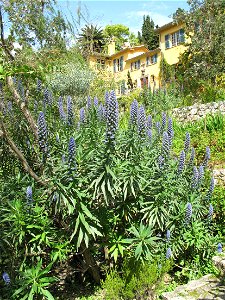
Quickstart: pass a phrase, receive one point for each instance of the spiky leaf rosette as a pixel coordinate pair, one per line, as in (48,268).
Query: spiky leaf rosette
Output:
(112,118)
(42,133)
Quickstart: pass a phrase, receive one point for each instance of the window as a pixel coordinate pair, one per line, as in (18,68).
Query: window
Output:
(147,61)
(118,64)
(174,39)
(135,65)
(151,60)
(100,64)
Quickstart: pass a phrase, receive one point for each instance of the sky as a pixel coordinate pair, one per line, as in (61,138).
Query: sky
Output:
(129,13)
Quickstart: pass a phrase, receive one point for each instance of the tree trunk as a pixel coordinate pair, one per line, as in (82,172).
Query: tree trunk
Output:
(91,263)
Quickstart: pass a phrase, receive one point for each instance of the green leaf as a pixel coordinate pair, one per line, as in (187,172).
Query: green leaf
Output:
(47,294)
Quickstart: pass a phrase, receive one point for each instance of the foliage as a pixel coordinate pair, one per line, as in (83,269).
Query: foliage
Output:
(203,61)
(107,190)
(91,39)
(121,34)
(166,72)
(148,37)
(36,23)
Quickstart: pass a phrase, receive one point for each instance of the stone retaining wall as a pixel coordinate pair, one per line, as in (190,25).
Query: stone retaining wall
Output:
(197,111)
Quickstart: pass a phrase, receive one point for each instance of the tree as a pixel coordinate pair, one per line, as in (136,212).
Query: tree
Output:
(149,38)
(91,39)
(204,58)
(36,23)
(121,34)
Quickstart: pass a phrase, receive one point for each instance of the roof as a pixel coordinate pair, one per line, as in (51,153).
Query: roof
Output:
(166,26)
(97,54)
(129,48)
(149,52)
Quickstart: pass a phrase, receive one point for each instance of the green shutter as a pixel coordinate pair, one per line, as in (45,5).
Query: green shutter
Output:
(167,41)
(114,65)
(139,64)
(121,63)
(181,35)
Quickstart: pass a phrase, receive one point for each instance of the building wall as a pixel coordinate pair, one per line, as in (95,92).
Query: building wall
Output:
(172,54)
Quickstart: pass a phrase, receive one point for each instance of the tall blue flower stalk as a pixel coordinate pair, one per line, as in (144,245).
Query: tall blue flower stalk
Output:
(29,195)
(210,213)
(62,114)
(149,122)
(168,253)
(167,235)
(192,157)
(149,135)
(112,118)
(194,184)
(71,155)
(181,162)
(187,142)
(6,278)
(95,101)
(70,115)
(165,145)
(200,174)
(188,213)
(39,85)
(207,157)
(163,121)
(82,116)
(211,189)
(170,131)
(158,127)
(101,112)
(219,248)
(161,161)
(42,133)
(89,103)
(134,112)
(141,122)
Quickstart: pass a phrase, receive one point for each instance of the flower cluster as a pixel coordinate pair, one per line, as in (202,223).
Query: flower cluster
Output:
(168,253)
(95,101)
(62,114)
(6,278)
(71,157)
(112,117)
(42,133)
(149,122)
(82,115)
(188,214)
(141,122)
(29,195)
(70,115)
(187,142)
(165,144)
(181,162)
(133,112)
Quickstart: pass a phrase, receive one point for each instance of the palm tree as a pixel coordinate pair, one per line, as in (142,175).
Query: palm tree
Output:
(91,39)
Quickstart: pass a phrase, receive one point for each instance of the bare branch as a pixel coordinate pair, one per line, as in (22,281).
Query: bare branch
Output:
(3,44)
(20,155)
(22,106)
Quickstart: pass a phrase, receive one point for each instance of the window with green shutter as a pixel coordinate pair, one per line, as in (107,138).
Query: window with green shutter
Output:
(181,35)
(167,41)
(121,63)
(114,65)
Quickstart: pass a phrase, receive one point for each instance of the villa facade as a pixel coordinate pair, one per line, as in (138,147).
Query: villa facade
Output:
(142,63)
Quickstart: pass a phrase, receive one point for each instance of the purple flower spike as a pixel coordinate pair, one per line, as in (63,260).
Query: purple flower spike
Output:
(219,248)
(181,162)
(62,114)
(71,157)
(89,104)
(29,195)
(192,157)
(210,214)
(141,122)
(188,214)
(82,115)
(149,135)
(149,122)
(207,157)
(101,112)
(42,132)
(6,278)
(133,112)
(200,174)
(165,144)
(168,253)
(161,161)
(158,127)
(39,85)
(70,115)
(112,118)
(170,127)
(211,188)
(195,178)
(168,234)
(163,120)
(95,101)
(187,142)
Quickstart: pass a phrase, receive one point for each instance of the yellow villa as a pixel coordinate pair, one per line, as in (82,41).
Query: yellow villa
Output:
(142,63)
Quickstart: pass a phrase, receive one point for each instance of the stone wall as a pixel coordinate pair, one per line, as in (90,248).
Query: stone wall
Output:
(197,111)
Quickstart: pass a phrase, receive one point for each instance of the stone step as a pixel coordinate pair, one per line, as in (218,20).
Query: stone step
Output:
(197,289)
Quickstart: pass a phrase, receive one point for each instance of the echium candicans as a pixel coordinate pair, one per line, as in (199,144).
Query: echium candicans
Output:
(39,85)
(200,174)
(194,184)
(71,155)
(207,157)
(149,122)
(101,112)
(170,131)
(188,213)
(163,121)
(46,97)
(82,115)
(168,253)
(219,248)
(133,112)
(165,144)
(161,160)
(70,115)
(62,114)
(210,213)
(42,132)
(181,162)
(149,135)
(158,127)
(141,122)
(187,142)
(168,235)
(29,195)
(211,189)
(95,101)
(112,117)
(89,104)
(6,278)
(192,157)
